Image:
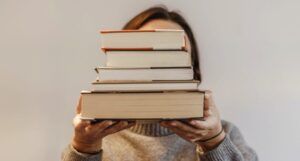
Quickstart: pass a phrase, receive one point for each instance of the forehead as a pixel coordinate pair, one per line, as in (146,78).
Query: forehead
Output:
(160,24)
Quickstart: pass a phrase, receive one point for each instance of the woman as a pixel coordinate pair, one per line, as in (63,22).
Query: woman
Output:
(186,140)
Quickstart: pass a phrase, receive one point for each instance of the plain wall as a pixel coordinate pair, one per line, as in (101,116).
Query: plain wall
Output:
(250,56)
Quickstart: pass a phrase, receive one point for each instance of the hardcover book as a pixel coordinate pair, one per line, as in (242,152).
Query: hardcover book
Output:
(142,105)
(145,74)
(101,85)
(134,59)
(159,39)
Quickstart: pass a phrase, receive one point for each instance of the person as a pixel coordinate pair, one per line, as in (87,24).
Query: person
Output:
(209,139)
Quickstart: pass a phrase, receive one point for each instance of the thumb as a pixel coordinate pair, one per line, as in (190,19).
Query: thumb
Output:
(78,109)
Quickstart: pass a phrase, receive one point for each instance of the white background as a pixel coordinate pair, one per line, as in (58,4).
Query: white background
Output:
(250,56)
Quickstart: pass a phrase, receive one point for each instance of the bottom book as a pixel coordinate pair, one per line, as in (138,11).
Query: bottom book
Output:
(142,105)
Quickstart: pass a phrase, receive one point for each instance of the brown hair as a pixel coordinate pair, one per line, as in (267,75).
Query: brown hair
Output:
(162,13)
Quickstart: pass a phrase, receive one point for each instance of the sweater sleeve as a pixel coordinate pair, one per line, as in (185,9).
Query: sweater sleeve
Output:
(71,154)
(232,148)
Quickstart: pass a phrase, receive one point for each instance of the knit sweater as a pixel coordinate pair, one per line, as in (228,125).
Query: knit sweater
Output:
(148,141)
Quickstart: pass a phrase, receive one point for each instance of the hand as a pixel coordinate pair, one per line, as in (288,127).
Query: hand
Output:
(88,136)
(195,130)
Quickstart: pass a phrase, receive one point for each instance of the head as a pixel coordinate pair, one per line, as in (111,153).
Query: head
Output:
(161,18)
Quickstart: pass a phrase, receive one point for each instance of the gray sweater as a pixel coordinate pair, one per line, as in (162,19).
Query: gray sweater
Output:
(151,142)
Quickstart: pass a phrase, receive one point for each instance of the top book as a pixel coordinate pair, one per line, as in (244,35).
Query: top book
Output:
(158,39)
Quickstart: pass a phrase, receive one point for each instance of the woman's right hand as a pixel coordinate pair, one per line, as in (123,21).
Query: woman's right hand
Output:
(88,137)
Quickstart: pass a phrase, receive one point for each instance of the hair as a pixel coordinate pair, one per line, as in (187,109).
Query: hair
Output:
(162,13)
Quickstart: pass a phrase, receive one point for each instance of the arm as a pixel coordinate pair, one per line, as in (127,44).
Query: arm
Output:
(87,140)
(208,135)
(232,148)
(71,154)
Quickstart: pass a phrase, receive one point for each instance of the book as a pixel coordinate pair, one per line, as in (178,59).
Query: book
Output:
(148,59)
(158,39)
(143,105)
(144,85)
(147,74)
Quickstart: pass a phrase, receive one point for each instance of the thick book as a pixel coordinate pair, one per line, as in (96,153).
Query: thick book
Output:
(158,39)
(101,86)
(148,59)
(145,74)
(143,105)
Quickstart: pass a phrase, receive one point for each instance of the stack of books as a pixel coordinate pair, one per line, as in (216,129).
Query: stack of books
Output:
(148,75)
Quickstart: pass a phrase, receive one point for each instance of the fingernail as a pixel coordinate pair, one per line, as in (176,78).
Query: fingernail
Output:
(193,122)
(109,122)
(206,95)
(173,123)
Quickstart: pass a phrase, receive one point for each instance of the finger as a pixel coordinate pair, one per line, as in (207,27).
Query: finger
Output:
(78,109)
(183,134)
(202,125)
(117,127)
(209,106)
(207,113)
(80,124)
(183,127)
(131,123)
(76,120)
(207,100)
(100,126)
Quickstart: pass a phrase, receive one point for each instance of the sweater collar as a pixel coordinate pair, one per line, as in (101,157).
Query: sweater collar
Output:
(150,128)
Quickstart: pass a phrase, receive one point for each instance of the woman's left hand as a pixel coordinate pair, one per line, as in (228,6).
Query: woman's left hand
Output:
(201,132)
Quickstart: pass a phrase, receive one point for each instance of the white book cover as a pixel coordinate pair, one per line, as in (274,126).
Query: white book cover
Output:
(144,85)
(146,74)
(159,39)
(148,59)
